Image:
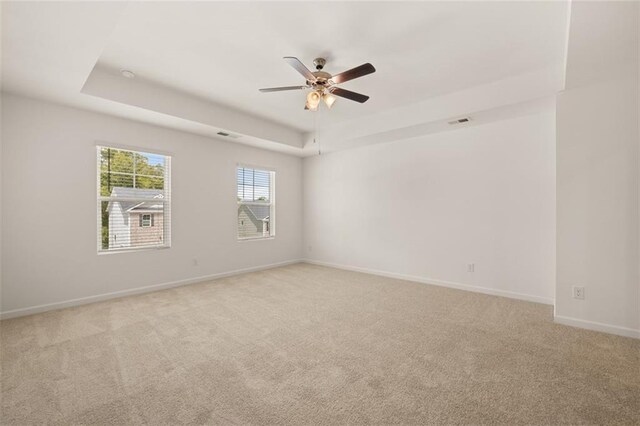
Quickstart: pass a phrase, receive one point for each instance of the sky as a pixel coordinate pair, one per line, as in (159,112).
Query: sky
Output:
(154,159)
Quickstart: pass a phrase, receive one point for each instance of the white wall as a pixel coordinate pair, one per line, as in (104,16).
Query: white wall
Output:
(1,56)
(49,206)
(598,172)
(426,207)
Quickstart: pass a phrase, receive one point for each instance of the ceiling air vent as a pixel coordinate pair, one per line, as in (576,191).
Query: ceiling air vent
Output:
(460,121)
(229,135)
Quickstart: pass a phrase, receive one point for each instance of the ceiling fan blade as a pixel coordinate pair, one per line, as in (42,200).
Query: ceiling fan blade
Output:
(281,89)
(299,66)
(348,94)
(361,71)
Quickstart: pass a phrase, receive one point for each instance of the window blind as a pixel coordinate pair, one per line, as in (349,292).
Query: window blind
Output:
(134,199)
(256,204)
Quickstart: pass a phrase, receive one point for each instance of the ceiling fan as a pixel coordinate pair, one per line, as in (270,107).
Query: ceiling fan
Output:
(323,85)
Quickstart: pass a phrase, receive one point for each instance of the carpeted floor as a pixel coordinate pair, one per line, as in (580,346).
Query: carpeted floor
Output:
(305,344)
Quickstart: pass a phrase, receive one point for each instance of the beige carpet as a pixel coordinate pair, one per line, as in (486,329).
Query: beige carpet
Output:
(306,344)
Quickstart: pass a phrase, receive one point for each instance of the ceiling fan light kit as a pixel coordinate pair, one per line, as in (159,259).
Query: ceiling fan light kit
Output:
(328,99)
(324,85)
(313,100)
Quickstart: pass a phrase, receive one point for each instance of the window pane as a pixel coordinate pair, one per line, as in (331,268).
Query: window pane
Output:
(104,160)
(145,182)
(261,183)
(138,205)
(145,220)
(149,164)
(121,220)
(261,193)
(247,177)
(116,160)
(254,221)
(118,169)
(109,181)
(254,211)
(114,184)
(253,185)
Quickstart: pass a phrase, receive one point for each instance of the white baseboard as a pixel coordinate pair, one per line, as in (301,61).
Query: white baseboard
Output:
(139,290)
(589,325)
(440,283)
(597,326)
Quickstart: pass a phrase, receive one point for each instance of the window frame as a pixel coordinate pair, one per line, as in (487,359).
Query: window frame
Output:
(166,200)
(142,220)
(271,203)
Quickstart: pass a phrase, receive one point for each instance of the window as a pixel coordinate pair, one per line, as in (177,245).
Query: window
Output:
(146,220)
(256,203)
(134,199)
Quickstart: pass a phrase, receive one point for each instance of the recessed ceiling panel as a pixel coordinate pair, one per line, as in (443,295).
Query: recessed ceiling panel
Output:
(224,52)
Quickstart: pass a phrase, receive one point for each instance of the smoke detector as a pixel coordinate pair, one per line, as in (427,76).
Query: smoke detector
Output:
(127,74)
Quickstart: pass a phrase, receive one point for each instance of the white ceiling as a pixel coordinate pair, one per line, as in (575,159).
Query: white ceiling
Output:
(223,52)
(227,51)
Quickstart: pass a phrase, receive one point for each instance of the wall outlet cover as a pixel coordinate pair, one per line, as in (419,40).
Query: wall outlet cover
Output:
(578,292)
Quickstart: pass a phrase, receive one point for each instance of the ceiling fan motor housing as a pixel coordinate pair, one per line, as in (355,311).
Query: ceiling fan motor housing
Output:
(322,79)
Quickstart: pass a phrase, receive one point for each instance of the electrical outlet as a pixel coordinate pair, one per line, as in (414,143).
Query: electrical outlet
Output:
(471,267)
(578,292)
(195,262)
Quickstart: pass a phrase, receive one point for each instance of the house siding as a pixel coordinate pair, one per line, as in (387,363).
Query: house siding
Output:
(119,234)
(146,235)
(248,227)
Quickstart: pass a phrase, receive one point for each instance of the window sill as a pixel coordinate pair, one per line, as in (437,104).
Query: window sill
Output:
(131,250)
(242,240)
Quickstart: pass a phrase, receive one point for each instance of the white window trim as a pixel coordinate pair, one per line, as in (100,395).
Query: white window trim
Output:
(271,203)
(143,221)
(132,148)
(166,200)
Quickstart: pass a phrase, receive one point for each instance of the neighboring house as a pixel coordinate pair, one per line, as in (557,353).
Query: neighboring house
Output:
(136,223)
(253,220)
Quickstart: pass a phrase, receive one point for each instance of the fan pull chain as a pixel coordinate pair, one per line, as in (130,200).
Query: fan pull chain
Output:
(315,136)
